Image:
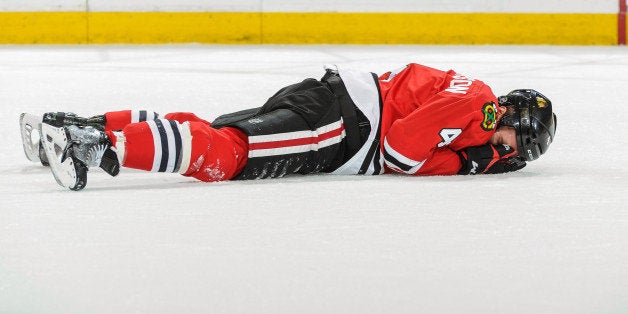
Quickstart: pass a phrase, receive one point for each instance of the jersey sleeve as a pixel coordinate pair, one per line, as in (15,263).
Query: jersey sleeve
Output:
(425,142)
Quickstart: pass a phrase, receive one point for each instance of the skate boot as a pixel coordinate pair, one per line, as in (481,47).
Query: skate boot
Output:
(59,119)
(72,150)
(31,134)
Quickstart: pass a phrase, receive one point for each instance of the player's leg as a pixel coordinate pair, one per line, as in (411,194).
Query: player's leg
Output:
(115,120)
(299,130)
(189,148)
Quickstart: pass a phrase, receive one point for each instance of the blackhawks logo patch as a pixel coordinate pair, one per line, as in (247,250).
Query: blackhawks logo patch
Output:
(490,116)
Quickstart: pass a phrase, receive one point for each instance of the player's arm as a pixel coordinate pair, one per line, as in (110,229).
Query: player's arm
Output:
(489,159)
(419,144)
(445,137)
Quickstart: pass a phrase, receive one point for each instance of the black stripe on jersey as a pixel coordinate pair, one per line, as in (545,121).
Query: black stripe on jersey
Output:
(177,143)
(142,115)
(373,154)
(163,136)
(396,162)
(377,168)
(369,156)
(378,137)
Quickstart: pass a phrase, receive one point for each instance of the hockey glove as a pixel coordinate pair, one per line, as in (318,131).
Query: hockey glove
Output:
(489,159)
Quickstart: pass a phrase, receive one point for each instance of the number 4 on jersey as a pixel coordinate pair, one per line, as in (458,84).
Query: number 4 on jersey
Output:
(448,136)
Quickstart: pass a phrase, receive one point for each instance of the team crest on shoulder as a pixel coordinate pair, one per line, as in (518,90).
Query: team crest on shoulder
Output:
(490,116)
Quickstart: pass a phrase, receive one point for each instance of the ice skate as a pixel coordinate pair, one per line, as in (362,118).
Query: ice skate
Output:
(72,150)
(30,126)
(59,119)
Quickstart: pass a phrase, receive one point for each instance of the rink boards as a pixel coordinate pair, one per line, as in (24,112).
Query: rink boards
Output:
(561,22)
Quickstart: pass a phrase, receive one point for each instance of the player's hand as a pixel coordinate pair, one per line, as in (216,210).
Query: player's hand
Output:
(489,159)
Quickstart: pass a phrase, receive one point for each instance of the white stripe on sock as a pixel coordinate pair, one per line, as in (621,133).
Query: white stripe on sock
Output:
(135,116)
(157,145)
(186,146)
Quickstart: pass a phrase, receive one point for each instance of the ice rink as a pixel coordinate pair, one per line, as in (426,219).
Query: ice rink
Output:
(552,238)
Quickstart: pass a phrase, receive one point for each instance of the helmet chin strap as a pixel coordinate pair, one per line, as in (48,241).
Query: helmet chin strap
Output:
(521,151)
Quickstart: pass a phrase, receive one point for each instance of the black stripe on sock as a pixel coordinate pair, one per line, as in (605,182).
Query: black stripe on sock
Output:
(164,145)
(142,115)
(177,144)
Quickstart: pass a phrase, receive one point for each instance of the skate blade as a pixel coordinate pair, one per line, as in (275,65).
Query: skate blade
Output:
(67,172)
(29,127)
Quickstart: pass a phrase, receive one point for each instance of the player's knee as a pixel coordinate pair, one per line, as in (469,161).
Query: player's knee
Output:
(217,155)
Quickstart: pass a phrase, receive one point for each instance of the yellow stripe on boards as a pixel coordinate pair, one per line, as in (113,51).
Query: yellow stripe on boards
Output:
(43,27)
(440,28)
(180,27)
(306,28)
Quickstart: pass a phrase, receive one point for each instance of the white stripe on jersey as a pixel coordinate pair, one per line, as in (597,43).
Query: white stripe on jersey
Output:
(362,89)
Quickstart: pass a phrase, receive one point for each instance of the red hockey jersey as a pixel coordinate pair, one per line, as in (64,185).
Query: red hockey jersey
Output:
(430,114)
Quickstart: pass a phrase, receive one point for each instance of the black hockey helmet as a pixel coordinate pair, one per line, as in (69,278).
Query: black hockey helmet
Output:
(530,113)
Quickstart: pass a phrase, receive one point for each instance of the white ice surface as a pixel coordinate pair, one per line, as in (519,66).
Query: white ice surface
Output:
(552,238)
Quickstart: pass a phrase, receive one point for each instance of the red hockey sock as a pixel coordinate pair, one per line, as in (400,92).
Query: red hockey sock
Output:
(117,120)
(190,148)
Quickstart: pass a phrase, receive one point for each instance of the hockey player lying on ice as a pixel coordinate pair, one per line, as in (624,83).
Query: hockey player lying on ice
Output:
(415,120)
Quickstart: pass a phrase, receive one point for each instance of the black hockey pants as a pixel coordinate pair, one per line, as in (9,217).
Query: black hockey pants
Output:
(308,127)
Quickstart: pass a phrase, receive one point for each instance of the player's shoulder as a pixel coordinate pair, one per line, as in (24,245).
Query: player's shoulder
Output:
(484,105)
